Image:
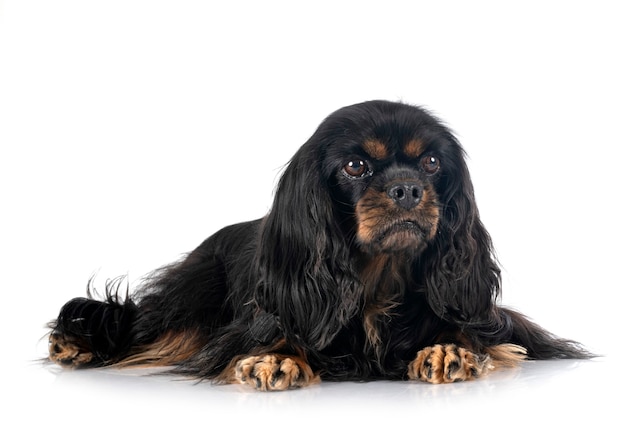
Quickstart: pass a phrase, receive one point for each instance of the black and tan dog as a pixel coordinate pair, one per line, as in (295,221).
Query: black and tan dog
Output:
(371,264)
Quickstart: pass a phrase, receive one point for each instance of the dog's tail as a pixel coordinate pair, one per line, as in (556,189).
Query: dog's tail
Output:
(163,323)
(91,332)
(539,343)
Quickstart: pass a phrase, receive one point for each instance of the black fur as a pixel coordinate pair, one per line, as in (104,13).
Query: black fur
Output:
(304,281)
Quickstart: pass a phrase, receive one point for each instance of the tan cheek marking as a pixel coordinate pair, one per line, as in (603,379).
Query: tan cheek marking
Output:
(376,149)
(431,210)
(414,148)
(370,210)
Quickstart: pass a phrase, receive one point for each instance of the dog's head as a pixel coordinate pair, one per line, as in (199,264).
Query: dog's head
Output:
(380,178)
(390,170)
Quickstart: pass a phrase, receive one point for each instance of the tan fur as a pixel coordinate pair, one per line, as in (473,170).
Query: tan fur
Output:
(414,148)
(447,363)
(429,206)
(376,149)
(379,300)
(171,349)
(506,355)
(66,351)
(270,372)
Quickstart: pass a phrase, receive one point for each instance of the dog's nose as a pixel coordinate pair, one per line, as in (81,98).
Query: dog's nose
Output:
(406,194)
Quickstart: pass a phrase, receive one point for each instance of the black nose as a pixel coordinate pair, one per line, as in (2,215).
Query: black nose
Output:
(405,194)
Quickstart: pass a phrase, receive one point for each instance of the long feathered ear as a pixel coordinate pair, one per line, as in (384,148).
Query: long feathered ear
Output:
(462,276)
(306,279)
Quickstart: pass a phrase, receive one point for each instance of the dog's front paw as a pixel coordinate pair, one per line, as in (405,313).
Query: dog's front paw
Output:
(447,364)
(274,372)
(67,351)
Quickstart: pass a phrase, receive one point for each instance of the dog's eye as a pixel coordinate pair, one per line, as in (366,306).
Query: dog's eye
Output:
(356,168)
(430,164)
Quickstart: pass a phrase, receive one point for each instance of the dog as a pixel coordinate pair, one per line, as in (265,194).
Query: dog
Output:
(372,263)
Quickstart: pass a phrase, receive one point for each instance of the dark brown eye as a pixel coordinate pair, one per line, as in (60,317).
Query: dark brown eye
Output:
(356,168)
(430,164)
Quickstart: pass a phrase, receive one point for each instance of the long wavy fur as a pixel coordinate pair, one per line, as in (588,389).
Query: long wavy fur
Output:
(300,281)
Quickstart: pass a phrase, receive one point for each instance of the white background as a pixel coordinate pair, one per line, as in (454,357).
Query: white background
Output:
(131,130)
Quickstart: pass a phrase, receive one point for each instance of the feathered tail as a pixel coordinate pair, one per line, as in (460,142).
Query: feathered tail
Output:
(540,344)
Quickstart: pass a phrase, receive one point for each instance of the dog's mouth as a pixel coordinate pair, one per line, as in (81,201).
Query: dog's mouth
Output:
(406,225)
(403,235)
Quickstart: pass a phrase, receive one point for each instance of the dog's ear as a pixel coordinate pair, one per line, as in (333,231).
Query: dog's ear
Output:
(306,278)
(461,275)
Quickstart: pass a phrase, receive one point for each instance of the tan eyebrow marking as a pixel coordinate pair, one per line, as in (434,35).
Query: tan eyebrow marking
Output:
(414,148)
(375,148)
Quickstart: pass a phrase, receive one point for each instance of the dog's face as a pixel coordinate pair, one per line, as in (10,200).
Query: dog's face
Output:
(391,189)
(388,174)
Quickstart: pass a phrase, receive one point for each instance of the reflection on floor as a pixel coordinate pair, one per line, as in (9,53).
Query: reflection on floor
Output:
(550,396)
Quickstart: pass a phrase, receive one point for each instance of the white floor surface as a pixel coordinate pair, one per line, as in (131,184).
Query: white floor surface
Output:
(540,399)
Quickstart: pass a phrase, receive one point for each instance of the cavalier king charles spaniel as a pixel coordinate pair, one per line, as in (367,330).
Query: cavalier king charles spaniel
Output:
(372,263)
